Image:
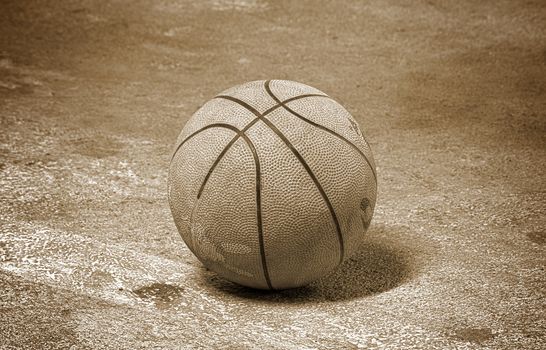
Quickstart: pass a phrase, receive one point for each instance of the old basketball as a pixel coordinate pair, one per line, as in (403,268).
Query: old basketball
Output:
(272,184)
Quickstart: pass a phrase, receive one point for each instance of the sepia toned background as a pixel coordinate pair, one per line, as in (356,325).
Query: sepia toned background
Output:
(450,94)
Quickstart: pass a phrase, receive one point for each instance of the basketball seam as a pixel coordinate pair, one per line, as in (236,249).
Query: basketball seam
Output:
(259,208)
(304,164)
(283,105)
(249,124)
(310,173)
(215,125)
(258,175)
(241,133)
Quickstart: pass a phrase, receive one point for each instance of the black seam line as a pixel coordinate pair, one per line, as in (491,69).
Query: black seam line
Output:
(337,135)
(283,104)
(242,103)
(215,125)
(257,113)
(248,126)
(258,187)
(258,207)
(310,173)
(236,137)
(241,133)
(221,155)
(279,104)
(304,164)
(216,161)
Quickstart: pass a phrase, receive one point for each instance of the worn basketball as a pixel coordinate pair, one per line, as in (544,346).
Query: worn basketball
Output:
(272,184)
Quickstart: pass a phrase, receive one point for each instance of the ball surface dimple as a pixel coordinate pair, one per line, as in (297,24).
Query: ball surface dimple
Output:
(272,184)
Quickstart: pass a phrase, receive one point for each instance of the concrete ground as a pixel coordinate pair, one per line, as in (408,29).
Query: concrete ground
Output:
(451,96)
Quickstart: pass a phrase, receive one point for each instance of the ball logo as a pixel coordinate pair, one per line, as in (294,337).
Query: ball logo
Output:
(367,212)
(355,128)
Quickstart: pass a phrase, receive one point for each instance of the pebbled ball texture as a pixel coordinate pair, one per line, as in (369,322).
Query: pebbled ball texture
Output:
(272,184)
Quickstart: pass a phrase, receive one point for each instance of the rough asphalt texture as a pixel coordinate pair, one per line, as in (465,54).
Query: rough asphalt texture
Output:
(451,96)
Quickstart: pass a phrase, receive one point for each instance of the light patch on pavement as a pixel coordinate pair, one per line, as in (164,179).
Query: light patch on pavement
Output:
(72,261)
(238,5)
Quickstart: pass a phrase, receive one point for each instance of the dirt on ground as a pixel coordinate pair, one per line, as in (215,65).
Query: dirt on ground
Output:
(451,96)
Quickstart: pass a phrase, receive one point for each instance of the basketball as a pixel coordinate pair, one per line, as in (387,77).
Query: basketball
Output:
(272,184)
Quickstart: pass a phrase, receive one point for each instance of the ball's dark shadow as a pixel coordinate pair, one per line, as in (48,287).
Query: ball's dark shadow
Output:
(381,263)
